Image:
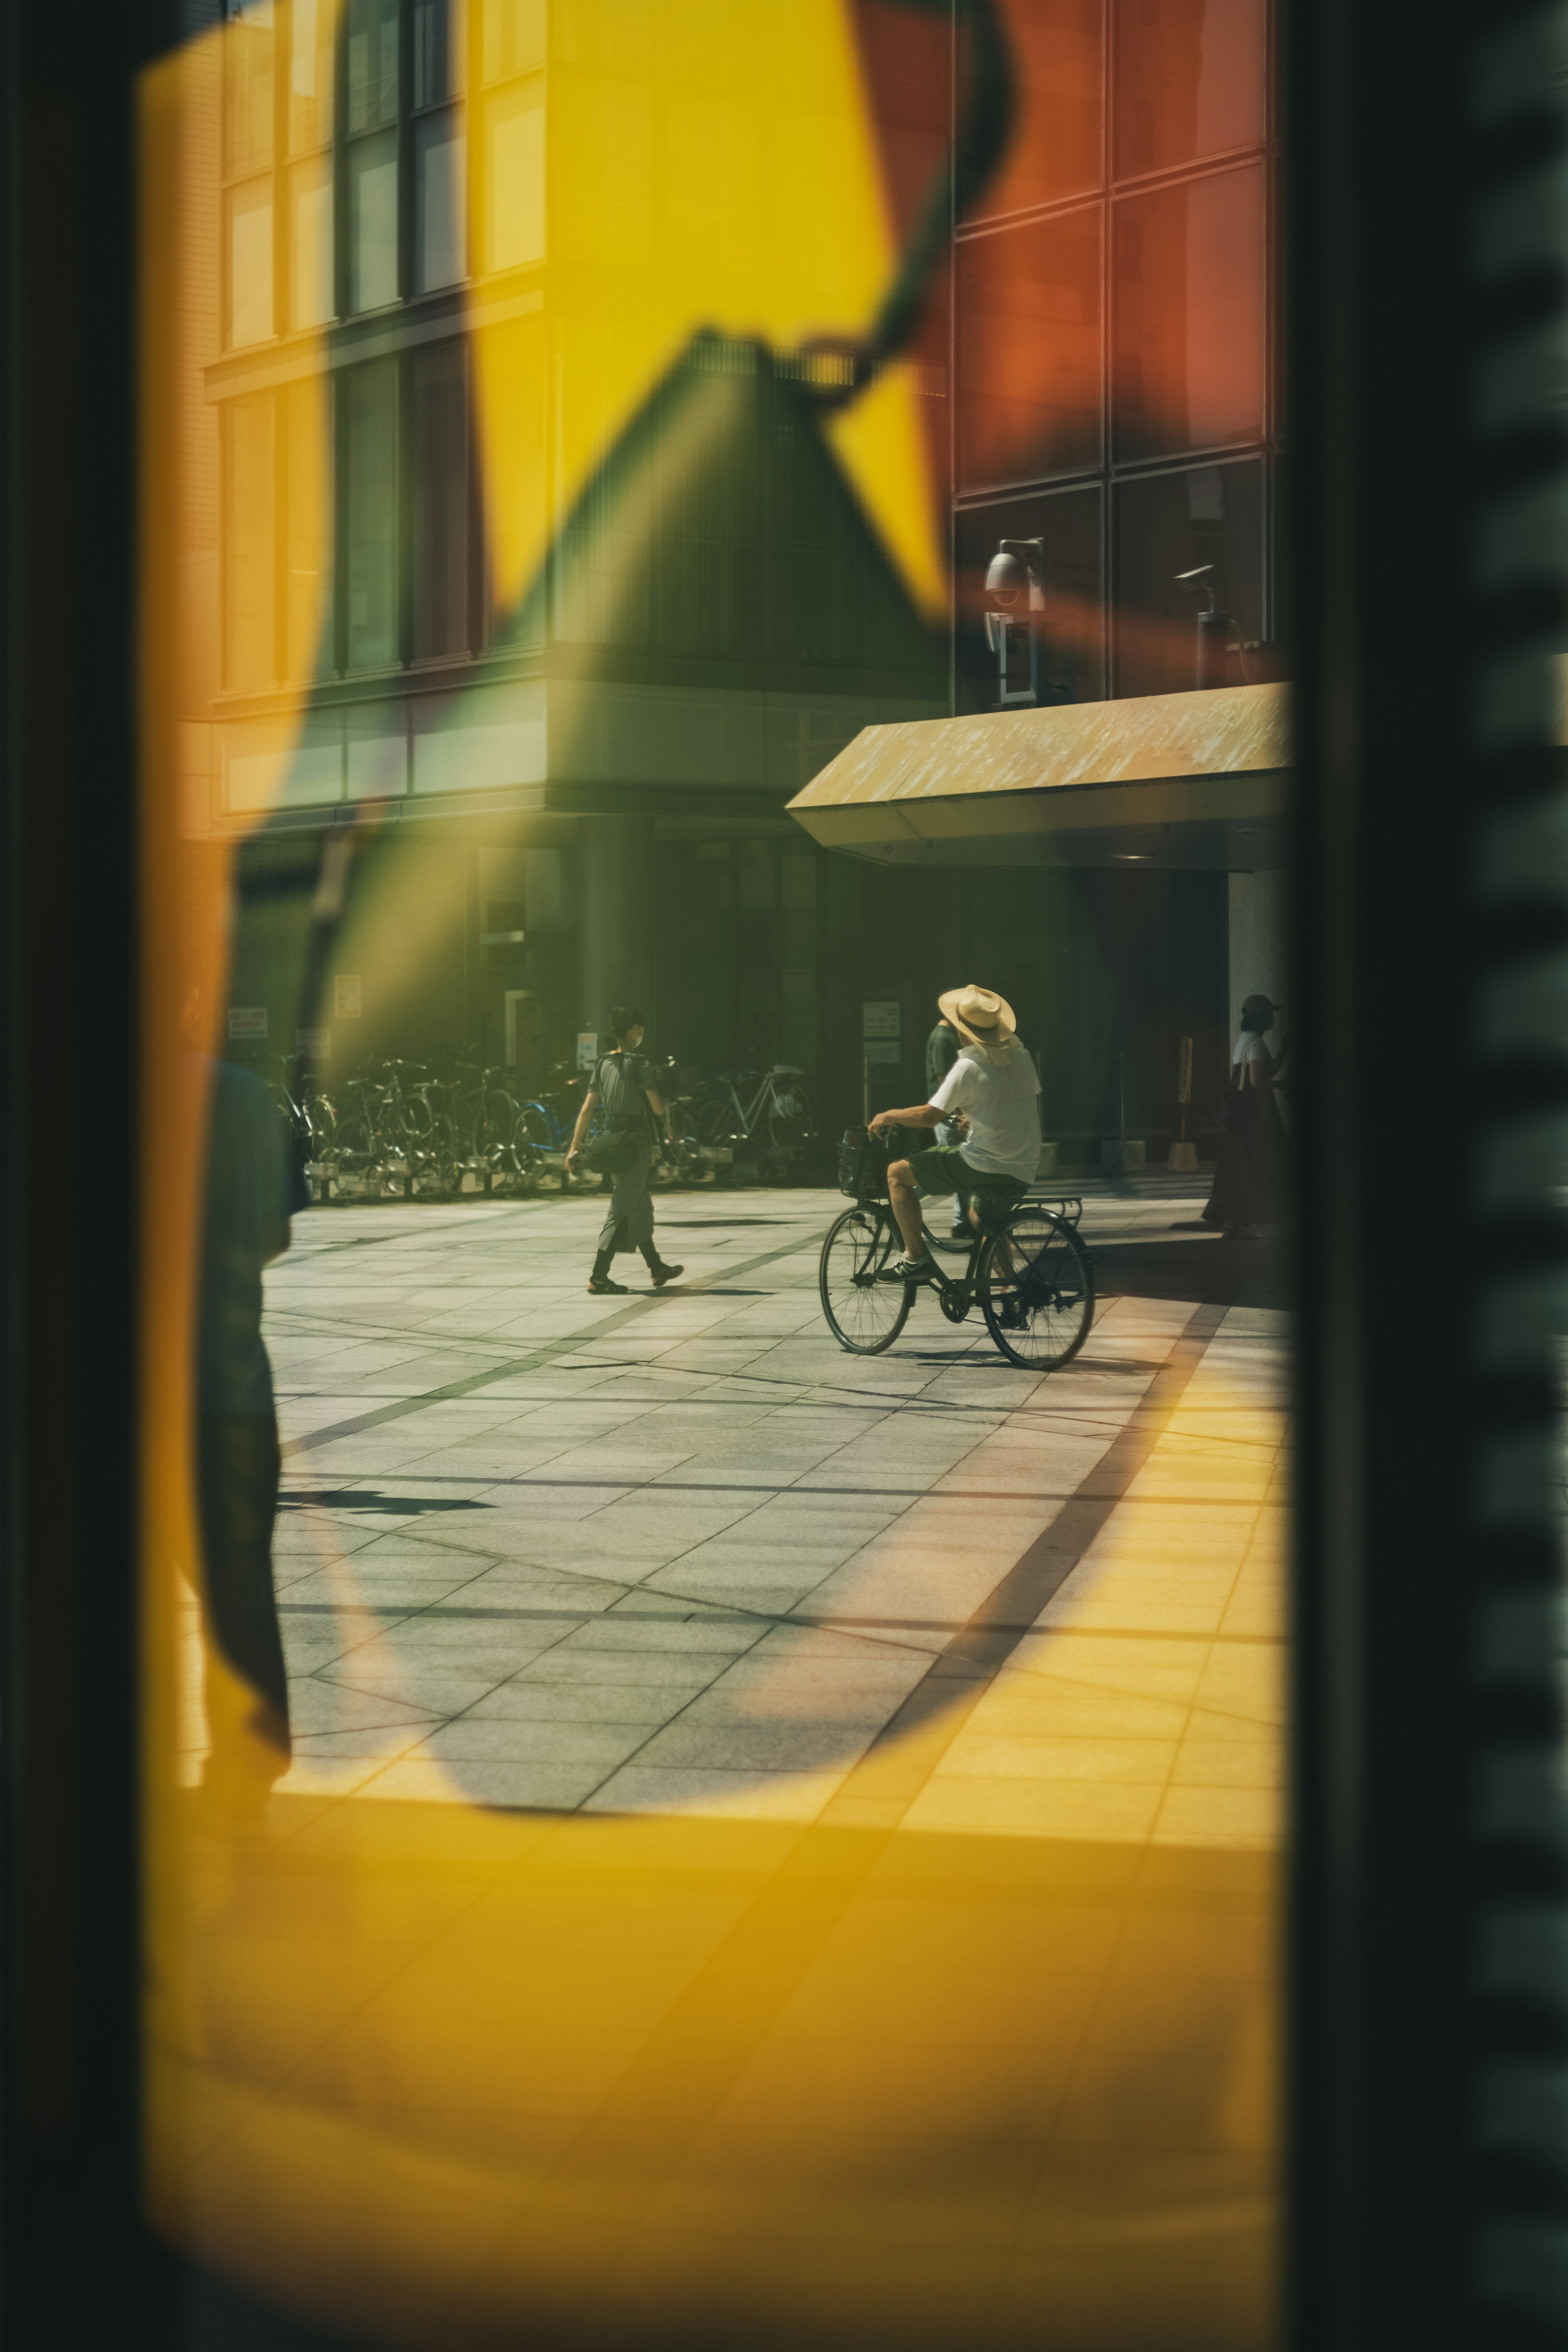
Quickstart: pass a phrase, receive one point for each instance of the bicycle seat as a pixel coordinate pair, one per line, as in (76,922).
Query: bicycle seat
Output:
(784,1070)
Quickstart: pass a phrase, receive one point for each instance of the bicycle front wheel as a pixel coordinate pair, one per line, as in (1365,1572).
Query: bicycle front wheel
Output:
(864,1313)
(1037,1290)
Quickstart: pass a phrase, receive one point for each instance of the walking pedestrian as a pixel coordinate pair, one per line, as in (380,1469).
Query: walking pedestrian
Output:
(623,1082)
(1252,1172)
(942,1052)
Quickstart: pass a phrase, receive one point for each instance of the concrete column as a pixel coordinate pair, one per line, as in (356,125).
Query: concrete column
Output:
(616,931)
(1259,942)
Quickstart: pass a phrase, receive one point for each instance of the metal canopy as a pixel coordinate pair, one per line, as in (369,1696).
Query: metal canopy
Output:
(1174,780)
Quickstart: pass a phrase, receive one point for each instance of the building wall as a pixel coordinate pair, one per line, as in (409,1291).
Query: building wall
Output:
(404,604)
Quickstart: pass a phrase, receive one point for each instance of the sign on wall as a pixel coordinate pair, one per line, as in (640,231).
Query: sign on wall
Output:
(346,996)
(881,1016)
(317,1042)
(248,1020)
(587,1048)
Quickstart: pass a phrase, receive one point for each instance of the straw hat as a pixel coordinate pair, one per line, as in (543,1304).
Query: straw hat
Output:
(980,1016)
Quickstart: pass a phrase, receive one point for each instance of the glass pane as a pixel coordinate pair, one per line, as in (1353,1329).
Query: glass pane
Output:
(514,37)
(1187,316)
(440,517)
(514,176)
(370,402)
(1029,350)
(247,543)
(310,75)
(307,410)
(1189,80)
(249,211)
(1059,49)
(440,200)
(310,256)
(439,41)
(373,63)
(1169,524)
(247,87)
(1069,523)
(373,222)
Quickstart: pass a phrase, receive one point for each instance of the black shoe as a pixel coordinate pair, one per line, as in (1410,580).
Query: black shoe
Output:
(601,1286)
(663,1273)
(907,1269)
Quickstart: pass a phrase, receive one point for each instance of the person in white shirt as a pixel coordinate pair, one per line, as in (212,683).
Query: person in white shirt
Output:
(1252,1173)
(991,1095)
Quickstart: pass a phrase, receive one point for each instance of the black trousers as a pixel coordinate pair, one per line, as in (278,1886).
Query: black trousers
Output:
(237,1467)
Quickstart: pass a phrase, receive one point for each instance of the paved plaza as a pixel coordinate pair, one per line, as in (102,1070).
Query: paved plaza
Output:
(680,1552)
(780,1847)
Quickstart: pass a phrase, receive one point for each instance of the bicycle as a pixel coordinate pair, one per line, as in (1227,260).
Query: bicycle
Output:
(778,1114)
(308,1116)
(1029,1273)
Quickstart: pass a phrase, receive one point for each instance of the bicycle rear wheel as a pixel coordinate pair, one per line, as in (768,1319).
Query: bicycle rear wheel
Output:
(864,1314)
(1037,1290)
(789,1116)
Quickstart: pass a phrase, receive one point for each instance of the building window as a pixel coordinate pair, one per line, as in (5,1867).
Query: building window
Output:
(1167,523)
(373,163)
(439,566)
(1187,307)
(515,174)
(308,525)
(1189,81)
(249,209)
(369,405)
(249,568)
(1029,350)
(310,300)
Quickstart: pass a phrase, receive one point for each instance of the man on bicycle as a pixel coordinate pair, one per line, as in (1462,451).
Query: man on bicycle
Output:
(991,1095)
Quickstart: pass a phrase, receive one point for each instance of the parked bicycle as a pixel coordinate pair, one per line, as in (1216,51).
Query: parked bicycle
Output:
(775,1122)
(1028,1272)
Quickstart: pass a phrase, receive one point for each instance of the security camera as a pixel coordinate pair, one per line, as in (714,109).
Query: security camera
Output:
(1007,580)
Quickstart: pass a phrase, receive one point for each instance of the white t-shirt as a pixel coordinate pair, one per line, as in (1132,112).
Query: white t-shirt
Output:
(1250,1048)
(1003,1137)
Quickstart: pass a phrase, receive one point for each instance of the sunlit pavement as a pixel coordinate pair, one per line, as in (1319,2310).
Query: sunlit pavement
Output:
(680,1552)
(781,1847)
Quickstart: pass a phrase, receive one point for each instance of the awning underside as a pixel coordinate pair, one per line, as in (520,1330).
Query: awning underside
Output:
(1184,780)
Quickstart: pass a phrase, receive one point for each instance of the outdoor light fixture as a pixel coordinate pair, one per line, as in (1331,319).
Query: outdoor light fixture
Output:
(1015,598)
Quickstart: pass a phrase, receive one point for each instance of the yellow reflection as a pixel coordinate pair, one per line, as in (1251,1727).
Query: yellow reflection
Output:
(442,2074)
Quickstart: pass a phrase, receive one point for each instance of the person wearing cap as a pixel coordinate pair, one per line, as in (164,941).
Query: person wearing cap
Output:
(991,1095)
(1251,1173)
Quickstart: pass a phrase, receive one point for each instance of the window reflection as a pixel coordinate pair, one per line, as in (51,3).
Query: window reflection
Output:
(1187,310)
(1056,150)
(1189,80)
(1071,525)
(1029,350)
(1170,523)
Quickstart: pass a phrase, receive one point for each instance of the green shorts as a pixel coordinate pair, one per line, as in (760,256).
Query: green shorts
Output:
(943,1168)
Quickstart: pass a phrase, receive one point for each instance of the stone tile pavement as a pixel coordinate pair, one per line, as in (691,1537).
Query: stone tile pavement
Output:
(680,1553)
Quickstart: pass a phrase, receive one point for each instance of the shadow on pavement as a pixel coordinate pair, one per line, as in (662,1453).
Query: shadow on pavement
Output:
(1196,1267)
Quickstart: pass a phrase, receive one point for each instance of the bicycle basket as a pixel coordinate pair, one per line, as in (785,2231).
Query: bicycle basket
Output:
(863,1164)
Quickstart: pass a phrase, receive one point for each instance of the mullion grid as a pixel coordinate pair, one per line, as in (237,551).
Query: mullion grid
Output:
(1112,471)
